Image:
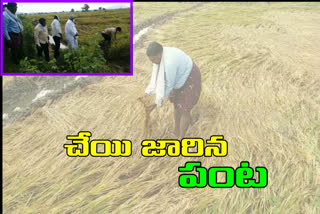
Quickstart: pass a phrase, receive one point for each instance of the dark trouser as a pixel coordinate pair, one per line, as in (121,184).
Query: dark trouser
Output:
(45,49)
(106,37)
(185,98)
(105,45)
(57,40)
(16,46)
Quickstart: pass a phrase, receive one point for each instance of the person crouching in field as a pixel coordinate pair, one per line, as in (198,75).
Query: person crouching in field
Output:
(12,32)
(110,33)
(41,37)
(71,33)
(176,76)
(57,35)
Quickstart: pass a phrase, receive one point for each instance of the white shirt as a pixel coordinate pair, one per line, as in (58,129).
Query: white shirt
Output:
(110,31)
(70,30)
(41,34)
(178,68)
(172,73)
(56,28)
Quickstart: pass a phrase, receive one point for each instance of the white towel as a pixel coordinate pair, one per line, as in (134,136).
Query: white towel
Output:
(157,82)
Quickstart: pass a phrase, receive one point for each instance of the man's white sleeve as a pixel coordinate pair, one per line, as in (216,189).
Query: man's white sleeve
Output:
(36,36)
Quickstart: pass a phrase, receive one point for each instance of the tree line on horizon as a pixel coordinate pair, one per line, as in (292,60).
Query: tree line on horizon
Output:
(85,8)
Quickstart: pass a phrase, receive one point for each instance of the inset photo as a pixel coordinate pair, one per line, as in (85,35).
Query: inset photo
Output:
(66,38)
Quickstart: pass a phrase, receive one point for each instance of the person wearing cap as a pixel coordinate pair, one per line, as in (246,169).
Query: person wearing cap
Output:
(41,38)
(71,33)
(110,33)
(57,35)
(177,77)
(12,32)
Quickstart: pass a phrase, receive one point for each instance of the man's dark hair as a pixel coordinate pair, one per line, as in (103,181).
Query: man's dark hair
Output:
(11,5)
(118,29)
(56,17)
(154,48)
(42,20)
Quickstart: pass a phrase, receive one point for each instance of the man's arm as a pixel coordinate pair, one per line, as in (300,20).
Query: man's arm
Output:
(5,28)
(74,30)
(150,108)
(36,37)
(54,27)
(48,36)
(59,28)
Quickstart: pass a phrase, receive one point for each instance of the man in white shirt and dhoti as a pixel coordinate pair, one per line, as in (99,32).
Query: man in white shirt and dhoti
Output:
(71,33)
(177,77)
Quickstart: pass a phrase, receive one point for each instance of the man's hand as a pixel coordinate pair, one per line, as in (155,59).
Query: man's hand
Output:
(148,94)
(150,108)
(146,103)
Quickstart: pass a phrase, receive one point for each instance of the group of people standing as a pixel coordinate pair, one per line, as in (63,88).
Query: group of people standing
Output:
(13,37)
(41,36)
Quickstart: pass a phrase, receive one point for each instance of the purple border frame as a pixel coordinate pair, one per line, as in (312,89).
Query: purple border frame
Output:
(71,74)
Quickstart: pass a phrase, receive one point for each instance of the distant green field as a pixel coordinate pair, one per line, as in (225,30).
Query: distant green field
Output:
(89,26)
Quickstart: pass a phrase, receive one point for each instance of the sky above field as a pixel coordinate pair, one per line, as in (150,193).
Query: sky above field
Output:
(59,7)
